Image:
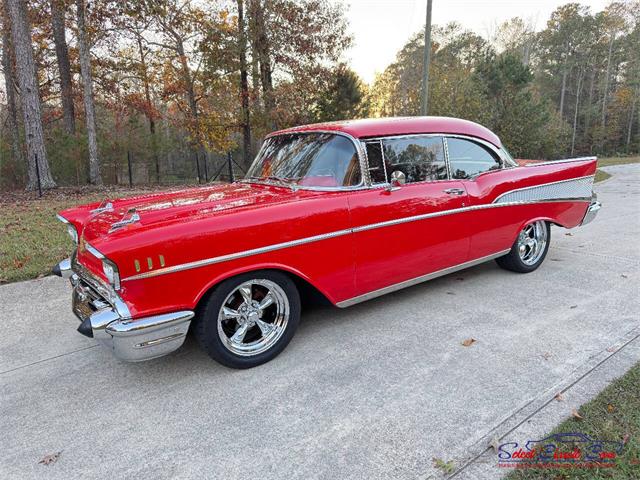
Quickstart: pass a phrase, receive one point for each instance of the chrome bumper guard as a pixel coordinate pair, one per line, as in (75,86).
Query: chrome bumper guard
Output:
(131,340)
(592,210)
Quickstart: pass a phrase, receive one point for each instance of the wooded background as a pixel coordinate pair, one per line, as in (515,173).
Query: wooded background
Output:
(177,85)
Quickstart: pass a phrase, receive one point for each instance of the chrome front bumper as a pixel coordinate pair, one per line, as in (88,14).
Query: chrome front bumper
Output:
(592,210)
(105,317)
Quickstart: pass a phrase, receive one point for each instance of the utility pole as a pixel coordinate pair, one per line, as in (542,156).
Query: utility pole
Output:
(426,61)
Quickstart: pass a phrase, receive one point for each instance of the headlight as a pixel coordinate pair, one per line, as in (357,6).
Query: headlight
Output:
(72,233)
(111,272)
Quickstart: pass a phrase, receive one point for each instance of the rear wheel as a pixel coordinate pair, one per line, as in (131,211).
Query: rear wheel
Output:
(529,249)
(249,319)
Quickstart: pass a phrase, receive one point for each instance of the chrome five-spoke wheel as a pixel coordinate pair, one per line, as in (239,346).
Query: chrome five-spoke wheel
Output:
(532,242)
(249,319)
(253,317)
(529,249)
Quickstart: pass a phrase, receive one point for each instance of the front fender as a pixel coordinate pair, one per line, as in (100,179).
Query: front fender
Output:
(258,267)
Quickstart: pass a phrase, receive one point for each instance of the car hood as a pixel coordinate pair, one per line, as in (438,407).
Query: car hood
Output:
(168,208)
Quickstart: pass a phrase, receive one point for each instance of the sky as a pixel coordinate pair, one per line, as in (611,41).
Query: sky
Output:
(381,27)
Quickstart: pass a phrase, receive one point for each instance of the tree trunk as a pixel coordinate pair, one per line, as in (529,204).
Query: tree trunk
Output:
(575,112)
(58,9)
(30,96)
(264,59)
(605,92)
(631,115)
(255,63)
(10,88)
(563,88)
(244,86)
(592,81)
(148,112)
(87,93)
(191,100)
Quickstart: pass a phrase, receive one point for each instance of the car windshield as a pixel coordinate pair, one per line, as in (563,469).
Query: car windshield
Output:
(307,159)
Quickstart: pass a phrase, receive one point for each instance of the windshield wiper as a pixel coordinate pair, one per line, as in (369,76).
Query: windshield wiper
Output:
(288,182)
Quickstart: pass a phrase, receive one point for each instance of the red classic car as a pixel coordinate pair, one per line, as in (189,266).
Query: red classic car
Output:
(348,210)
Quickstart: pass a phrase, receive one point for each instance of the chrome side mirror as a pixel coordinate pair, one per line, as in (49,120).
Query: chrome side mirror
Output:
(397,179)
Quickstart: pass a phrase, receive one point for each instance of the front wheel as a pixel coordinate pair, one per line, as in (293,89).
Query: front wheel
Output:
(529,249)
(249,319)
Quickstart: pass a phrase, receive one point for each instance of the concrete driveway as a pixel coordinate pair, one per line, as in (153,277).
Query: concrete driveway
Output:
(375,391)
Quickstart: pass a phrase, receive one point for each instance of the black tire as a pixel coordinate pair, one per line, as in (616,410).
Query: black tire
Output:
(206,322)
(512,260)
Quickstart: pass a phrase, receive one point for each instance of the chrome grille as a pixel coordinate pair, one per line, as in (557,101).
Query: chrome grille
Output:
(89,293)
(86,299)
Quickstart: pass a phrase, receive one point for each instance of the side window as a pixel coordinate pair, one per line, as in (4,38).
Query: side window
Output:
(419,158)
(377,170)
(468,158)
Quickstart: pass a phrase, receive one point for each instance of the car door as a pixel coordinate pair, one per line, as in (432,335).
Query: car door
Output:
(480,168)
(407,231)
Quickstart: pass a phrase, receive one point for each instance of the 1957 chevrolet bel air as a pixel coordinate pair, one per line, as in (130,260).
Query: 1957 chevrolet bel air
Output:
(350,210)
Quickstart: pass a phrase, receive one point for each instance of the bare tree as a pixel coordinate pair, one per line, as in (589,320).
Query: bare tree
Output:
(262,50)
(30,96)
(87,84)
(58,8)
(244,84)
(575,111)
(174,22)
(10,88)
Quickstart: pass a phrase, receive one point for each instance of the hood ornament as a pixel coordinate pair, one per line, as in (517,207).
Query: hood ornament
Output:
(104,207)
(133,218)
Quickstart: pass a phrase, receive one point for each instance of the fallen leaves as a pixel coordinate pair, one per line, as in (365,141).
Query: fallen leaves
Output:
(575,414)
(559,397)
(569,234)
(624,275)
(626,438)
(446,467)
(573,306)
(51,458)
(610,408)
(546,355)
(468,342)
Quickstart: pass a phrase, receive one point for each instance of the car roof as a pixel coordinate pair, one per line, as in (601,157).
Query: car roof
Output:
(382,127)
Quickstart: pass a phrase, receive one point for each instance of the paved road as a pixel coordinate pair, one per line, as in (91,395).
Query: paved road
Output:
(374,391)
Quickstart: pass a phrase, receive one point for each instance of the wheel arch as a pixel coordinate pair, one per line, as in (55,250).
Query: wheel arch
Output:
(307,289)
(524,223)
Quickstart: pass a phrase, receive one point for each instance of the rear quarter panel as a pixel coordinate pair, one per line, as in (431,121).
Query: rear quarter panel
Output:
(509,199)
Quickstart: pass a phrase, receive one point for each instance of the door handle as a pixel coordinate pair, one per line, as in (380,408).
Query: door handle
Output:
(454,191)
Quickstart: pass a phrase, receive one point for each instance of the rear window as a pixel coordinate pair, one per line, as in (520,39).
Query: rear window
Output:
(468,158)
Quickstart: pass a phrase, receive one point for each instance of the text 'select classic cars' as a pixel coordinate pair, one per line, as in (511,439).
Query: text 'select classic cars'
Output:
(351,210)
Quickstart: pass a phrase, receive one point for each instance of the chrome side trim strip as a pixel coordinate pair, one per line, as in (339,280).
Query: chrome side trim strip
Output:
(363,228)
(235,256)
(415,218)
(423,278)
(62,219)
(555,162)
